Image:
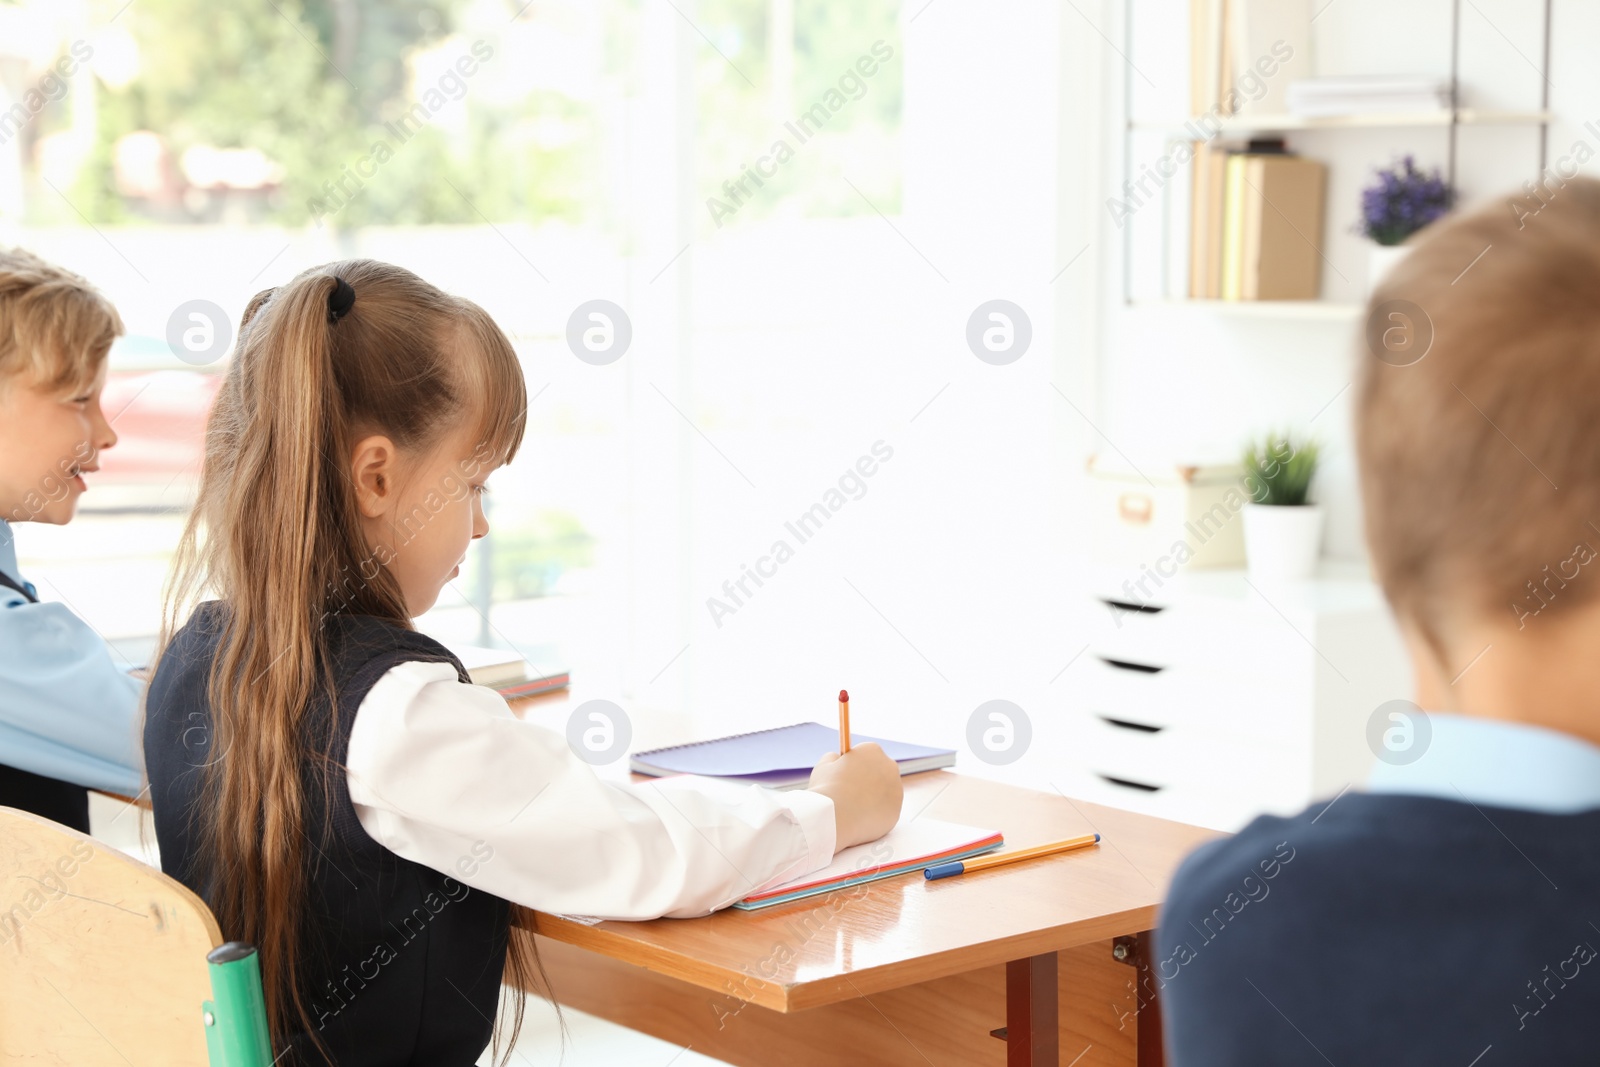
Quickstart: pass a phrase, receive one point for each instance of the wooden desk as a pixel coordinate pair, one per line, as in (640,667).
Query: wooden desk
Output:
(905,971)
(1050,955)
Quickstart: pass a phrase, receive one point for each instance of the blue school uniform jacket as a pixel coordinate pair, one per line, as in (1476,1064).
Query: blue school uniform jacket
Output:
(68,714)
(1386,930)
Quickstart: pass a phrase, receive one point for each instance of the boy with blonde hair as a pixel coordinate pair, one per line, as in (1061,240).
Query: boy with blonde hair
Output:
(1448,911)
(67,713)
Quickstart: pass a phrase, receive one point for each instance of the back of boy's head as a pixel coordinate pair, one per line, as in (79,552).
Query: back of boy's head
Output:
(1478,416)
(55,328)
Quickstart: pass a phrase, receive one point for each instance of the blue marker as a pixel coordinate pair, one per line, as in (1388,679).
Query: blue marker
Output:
(945,870)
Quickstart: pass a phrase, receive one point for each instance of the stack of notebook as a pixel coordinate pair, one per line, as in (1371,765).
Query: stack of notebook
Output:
(1324,97)
(508,673)
(911,846)
(781,758)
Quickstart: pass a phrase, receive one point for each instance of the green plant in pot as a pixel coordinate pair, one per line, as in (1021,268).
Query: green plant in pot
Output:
(1282,528)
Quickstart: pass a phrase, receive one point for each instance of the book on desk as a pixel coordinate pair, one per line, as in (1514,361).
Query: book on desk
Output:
(509,673)
(912,845)
(780,758)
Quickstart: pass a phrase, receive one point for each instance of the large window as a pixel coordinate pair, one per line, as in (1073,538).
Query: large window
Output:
(501,150)
(795,206)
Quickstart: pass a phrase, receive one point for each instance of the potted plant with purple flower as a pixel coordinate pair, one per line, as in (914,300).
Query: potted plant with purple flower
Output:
(1400,202)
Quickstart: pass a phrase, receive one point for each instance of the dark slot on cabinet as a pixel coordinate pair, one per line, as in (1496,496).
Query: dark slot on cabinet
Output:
(1129,783)
(1127,725)
(1128,605)
(1129,665)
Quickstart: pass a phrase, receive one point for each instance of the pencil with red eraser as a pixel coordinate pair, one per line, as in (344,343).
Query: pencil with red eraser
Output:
(844,722)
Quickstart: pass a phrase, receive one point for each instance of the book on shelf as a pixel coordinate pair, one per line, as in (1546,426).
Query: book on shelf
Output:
(1230,272)
(1270,49)
(1243,54)
(1223,74)
(1256,224)
(1367,94)
(1280,228)
(1201,77)
(1205,219)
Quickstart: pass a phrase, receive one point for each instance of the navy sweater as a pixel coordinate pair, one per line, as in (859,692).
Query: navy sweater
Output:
(1386,929)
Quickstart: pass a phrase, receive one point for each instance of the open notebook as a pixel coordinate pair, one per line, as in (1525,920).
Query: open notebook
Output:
(781,758)
(910,846)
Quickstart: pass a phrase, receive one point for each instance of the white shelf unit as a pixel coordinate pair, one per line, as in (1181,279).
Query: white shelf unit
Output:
(1450,119)
(1310,310)
(1224,698)
(1242,124)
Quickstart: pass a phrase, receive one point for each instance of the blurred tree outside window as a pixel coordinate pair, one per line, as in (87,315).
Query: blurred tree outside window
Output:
(237,129)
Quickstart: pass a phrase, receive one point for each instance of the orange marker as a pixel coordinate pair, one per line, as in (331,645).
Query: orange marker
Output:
(844,722)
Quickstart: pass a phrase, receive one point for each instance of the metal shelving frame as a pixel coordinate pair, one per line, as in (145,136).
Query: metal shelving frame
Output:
(1454,124)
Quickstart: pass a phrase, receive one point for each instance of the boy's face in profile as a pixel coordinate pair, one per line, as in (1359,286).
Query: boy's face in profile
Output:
(48,438)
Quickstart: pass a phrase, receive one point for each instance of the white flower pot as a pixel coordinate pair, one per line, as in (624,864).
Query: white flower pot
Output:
(1381,260)
(1282,543)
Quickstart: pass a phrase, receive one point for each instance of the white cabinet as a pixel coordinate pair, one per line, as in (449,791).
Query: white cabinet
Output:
(1212,699)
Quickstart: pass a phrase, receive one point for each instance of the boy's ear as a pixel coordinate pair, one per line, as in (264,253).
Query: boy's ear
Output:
(372,472)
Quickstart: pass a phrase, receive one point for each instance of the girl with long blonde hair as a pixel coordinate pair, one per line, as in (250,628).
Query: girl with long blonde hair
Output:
(326,777)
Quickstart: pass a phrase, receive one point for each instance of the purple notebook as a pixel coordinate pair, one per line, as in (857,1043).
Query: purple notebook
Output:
(781,758)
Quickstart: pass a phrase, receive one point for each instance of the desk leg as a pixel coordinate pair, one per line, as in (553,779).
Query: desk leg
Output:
(1032,1027)
(1151,1049)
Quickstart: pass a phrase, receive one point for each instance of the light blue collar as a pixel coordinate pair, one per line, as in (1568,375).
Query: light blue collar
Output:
(1500,764)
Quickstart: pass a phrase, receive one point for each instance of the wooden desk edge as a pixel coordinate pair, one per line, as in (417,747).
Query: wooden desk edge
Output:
(834,989)
(140,801)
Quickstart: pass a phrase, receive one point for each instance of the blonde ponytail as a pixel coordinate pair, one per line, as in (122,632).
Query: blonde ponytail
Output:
(275,535)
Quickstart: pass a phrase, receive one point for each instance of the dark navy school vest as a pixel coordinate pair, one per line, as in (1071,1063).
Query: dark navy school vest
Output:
(400,964)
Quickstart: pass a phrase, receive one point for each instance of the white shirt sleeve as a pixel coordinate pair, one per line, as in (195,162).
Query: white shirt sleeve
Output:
(443,774)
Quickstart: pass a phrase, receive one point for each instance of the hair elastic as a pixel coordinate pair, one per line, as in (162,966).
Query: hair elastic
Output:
(340,300)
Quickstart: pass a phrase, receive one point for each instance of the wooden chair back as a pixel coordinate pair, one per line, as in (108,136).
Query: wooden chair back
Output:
(102,958)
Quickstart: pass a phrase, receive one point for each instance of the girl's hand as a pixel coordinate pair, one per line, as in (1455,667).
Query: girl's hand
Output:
(864,785)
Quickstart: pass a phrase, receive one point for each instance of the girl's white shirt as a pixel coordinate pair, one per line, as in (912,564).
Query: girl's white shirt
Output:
(443,774)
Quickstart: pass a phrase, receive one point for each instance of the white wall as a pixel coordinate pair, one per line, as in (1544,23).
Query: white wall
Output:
(947,584)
